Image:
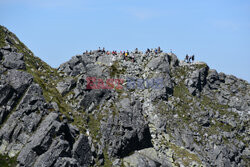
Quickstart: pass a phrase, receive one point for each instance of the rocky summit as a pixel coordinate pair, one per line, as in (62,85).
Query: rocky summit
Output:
(105,109)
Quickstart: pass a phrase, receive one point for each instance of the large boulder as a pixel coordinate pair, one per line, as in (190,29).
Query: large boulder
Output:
(14,61)
(40,141)
(213,79)
(53,139)
(160,68)
(65,86)
(159,64)
(19,80)
(145,157)
(93,97)
(6,92)
(174,61)
(197,80)
(66,162)
(127,131)
(12,86)
(59,148)
(81,151)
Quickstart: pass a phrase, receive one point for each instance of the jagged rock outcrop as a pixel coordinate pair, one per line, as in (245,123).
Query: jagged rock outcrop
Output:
(197,80)
(13,61)
(127,131)
(65,86)
(30,130)
(146,110)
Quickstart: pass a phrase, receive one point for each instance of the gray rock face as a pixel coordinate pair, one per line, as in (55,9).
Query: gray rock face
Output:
(1,55)
(161,68)
(131,124)
(66,162)
(40,141)
(197,80)
(14,61)
(213,80)
(43,150)
(12,86)
(160,64)
(19,80)
(6,92)
(93,97)
(138,160)
(78,64)
(66,85)
(174,61)
(81,151)
(59,148)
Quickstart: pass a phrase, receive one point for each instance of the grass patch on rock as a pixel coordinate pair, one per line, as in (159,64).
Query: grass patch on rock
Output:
(6,161)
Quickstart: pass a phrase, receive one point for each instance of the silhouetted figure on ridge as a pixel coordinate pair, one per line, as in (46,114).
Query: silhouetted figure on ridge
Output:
(159,49)
(136,50)
(156,51)
(187,58)
(192,58)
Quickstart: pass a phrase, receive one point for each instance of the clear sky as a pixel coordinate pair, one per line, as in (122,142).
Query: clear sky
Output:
(216,31)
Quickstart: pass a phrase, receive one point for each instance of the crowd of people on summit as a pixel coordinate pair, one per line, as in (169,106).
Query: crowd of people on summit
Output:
(131,55)
(189,59)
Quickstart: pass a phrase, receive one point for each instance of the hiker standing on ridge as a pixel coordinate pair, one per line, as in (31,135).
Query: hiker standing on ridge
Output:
(156,51)
(159,49)
(187,58)
(125,55)
(192,58)
(132,57)
(136,50)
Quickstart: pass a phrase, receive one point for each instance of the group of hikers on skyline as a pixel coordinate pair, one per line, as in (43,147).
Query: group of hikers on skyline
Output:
(188,59)
(131,55)
(125,53)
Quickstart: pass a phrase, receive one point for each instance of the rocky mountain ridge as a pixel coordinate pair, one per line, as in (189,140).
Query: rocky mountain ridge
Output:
(48,117)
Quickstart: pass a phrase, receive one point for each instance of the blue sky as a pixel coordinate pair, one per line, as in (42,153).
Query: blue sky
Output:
(216,31)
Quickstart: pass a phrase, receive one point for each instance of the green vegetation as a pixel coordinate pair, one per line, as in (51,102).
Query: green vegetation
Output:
(186,156)
(6,161)
(92,122)
(181,91)
(2,36)
(180,72)
(199,66)
(94,125)
(107,161)
(80,121)
(115,70)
